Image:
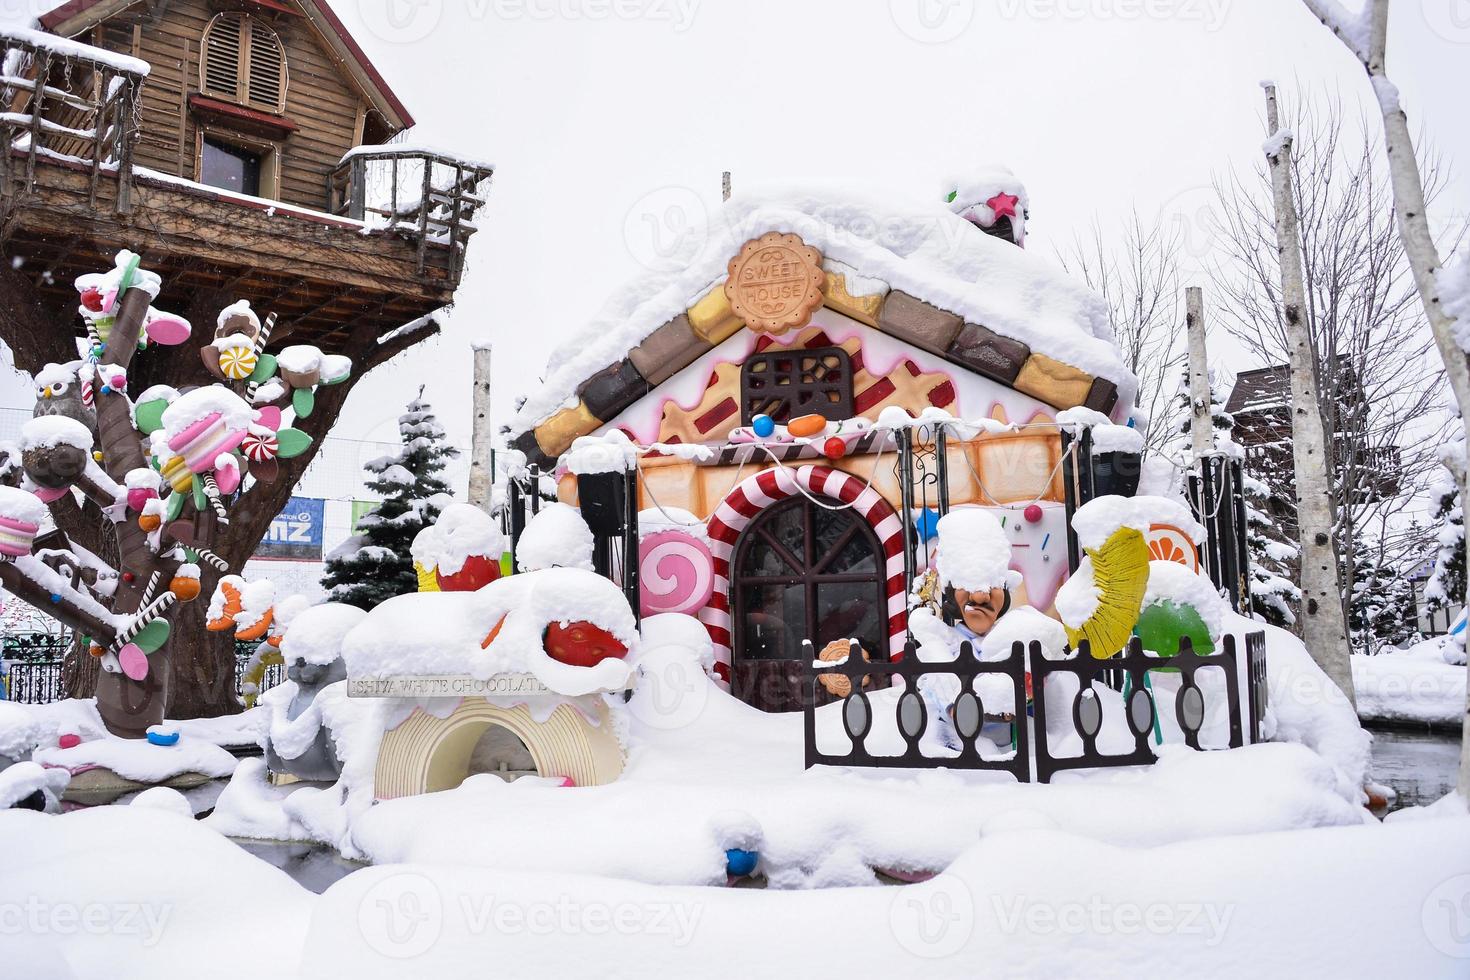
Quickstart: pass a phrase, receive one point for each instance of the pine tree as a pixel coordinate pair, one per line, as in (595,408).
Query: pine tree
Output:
(1446,583)
(1381,610)
(1272,554)
(375,565)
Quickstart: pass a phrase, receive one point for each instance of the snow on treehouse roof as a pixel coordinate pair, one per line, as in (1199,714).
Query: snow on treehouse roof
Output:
(922,249)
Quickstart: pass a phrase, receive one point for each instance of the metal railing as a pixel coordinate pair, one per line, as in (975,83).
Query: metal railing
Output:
(1032,748)
(61,105)
(35,661)
(429,196)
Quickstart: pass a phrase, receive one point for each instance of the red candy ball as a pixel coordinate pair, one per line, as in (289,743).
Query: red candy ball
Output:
(834,448)
(92,299)
(1033,514)
(581,644)
(69,741)
(478,571)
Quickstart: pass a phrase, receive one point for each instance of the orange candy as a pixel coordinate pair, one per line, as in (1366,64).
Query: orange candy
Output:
(806,426)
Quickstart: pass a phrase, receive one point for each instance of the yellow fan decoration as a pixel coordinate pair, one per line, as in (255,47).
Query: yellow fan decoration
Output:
(267,656)
(428,578)
(1120,575)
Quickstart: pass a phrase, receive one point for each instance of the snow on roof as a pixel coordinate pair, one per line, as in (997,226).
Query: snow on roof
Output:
(428,634)
(19,25)
(921,248)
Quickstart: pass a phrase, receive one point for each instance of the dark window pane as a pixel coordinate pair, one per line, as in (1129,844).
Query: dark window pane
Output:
(857,557)
(230,168)
(774,621)
(849,610)
(765,559)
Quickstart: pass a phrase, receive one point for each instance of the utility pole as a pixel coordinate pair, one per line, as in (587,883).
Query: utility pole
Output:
(482,437)
(1324,626)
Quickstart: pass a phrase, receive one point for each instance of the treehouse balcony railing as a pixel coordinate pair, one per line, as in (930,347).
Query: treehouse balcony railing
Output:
(63,103)
(429,196)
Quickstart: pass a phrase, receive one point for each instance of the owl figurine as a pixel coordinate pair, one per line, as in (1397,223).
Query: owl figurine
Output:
(59,392)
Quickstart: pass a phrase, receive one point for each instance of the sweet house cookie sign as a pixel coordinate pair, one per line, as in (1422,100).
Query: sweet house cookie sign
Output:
(775,283)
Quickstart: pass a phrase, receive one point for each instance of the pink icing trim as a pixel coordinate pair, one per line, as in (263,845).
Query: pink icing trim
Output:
(14,524)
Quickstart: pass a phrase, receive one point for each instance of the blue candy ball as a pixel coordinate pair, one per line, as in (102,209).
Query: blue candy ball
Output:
(764,426)
(163,738)
(739,862)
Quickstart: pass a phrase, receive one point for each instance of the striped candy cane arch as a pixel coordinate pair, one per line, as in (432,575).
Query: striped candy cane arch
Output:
(760,491)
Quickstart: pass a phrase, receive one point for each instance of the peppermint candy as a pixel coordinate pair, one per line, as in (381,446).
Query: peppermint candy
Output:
(260,448)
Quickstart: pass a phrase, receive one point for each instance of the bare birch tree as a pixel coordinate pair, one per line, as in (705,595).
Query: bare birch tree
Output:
(1324,625)
(1366,36)
(1380,384)
(1138,275)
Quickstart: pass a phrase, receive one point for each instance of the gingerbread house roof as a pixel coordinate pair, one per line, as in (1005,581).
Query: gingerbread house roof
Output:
(916,271)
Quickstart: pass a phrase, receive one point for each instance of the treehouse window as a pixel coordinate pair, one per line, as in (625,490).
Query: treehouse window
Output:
(231,168)
(244,61)
(791,383)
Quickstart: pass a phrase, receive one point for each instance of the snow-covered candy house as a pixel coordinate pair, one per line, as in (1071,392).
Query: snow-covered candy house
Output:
(779,394)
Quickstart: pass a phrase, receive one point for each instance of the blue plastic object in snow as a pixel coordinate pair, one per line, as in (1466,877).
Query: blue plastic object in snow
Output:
(163,738)
(741,862)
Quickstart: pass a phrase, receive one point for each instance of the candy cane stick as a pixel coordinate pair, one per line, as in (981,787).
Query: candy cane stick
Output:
(260,342)
(94,339)
(152,584)
(212,559)
(145,616)
(211,490)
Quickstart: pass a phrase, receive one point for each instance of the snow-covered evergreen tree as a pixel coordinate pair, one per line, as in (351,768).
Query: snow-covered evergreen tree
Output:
(375,565)
(1446,583)
(1273,554)
(1381,610)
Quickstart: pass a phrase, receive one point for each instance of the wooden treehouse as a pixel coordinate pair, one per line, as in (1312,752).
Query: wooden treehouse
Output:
(242,146)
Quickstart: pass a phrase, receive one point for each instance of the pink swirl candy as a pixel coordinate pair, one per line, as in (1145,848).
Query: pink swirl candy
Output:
(676,573)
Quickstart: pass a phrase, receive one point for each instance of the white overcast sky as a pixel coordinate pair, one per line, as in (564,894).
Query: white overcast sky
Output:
(605,117)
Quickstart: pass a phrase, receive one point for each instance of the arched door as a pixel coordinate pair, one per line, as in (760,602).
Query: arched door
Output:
(801,571)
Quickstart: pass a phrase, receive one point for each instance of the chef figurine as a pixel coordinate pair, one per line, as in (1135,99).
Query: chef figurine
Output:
(975,579)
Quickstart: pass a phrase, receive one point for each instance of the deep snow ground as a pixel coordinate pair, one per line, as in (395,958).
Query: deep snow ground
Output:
(124,892)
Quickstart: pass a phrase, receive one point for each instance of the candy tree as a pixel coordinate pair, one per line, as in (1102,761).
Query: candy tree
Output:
(158,491)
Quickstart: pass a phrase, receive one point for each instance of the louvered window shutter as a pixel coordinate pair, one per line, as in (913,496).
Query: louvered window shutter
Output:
(222,56)
(267,80)
(244,61)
